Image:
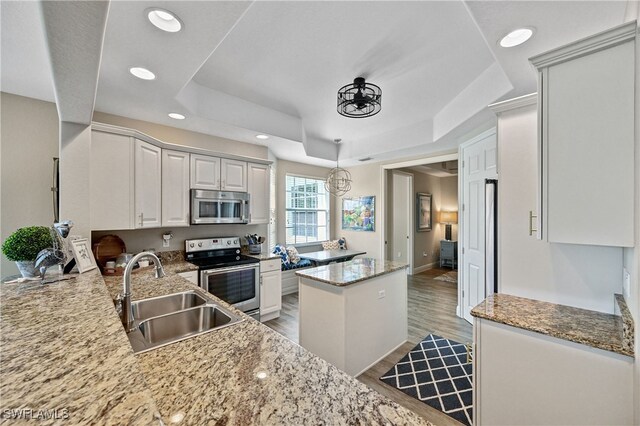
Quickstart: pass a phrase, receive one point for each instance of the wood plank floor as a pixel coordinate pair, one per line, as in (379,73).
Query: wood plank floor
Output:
(432,309)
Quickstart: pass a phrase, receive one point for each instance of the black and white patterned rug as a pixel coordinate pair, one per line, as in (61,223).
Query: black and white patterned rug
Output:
(437,373)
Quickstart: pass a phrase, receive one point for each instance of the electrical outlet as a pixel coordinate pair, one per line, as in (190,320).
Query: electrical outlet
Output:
(382,294)
(626,284)
(165,243)
(399,254)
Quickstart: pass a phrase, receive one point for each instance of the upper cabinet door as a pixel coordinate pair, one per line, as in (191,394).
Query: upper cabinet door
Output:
(258,188)
(175,188)
(148,181)
(587,109)
(205,172)
(112,180)
(234,175)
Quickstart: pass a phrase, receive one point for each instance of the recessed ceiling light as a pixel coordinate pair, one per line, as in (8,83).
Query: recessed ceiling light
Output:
(516,37)
(263,137)
(164,20)
(176,116)
(142,73)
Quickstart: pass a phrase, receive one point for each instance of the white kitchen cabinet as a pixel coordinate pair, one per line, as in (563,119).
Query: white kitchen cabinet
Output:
(191,276)
(175,188)
(234,175)
(270,289)
(258,185)
(586,140)
(521,377)
(147,185)
(111,180)
(205,172)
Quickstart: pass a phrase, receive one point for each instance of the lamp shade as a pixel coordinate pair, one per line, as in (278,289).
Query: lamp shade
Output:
(448,217)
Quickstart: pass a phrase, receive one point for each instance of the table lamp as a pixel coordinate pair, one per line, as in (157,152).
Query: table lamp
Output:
(448,218)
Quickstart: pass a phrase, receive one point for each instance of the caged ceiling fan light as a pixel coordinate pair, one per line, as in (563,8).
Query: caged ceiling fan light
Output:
(338,180)
(360,99)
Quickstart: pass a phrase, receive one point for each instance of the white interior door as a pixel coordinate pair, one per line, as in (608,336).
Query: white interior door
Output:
(479,163)
(401,204)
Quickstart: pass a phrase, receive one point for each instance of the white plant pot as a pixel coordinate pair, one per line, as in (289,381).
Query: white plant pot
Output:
(27,268)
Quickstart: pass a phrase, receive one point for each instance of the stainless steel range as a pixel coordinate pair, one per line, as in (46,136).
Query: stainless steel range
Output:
(225,273)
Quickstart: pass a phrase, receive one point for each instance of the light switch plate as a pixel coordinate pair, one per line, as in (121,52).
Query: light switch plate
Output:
(381,294)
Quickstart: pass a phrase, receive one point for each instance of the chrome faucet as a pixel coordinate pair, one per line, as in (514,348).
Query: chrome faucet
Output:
(125,300)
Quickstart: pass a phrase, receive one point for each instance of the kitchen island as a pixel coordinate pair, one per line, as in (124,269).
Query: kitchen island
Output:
(354,313)
(63,347)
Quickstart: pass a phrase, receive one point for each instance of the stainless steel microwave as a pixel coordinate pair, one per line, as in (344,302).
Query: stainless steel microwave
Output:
(209,207)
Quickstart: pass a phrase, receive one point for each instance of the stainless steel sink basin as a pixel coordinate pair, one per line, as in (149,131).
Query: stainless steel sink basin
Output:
(183,324)
(157,306)
(160,321)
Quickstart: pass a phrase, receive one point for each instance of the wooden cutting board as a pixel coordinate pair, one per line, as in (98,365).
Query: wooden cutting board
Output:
(106,248)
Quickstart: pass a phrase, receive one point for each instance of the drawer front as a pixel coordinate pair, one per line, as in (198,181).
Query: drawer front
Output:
(270,265)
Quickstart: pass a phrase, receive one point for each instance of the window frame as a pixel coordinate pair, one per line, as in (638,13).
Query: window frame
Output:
(288,209)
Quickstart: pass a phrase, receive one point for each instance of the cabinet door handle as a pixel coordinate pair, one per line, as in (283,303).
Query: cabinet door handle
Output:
(141,220)
(531,228)
(261,280)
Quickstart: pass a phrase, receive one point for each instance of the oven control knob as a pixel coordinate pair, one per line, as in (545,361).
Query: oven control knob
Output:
(235,241)
(191,245)
(199,244)
(238,251)
(228,242)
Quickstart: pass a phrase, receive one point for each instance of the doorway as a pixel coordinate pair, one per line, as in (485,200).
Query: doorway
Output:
(432,191)
(399,218)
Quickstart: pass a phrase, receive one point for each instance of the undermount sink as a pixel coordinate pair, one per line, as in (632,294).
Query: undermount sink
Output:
(183,324)
(157,306)
(163,320)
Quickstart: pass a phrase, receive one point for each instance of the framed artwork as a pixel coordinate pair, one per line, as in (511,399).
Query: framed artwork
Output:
(423,212)
(358,213)
(83,255)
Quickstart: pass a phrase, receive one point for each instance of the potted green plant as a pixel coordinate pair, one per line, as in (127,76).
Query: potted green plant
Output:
(24,245)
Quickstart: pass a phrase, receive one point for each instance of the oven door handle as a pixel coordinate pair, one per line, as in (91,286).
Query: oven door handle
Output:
(229,269)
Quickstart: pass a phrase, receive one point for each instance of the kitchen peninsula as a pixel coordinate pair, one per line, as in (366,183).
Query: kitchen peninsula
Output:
(63,348)
(354,313)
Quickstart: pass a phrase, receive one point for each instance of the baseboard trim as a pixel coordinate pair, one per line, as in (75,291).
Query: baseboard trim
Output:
(381,358)
(269,316)
(424,267)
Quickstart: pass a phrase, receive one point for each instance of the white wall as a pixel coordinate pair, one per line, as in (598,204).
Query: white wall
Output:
(28,143)
(366,181)
(575,275)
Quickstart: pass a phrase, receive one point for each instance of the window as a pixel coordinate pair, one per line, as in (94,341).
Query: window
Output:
(307,210)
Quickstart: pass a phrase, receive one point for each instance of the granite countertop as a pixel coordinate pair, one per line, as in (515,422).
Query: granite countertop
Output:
(353,271)
(214,376)
(62,346)
(264,256)
(177,266)
(591,328)
(628,327)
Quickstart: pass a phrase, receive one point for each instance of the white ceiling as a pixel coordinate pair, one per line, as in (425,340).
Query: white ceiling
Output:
(241,68)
